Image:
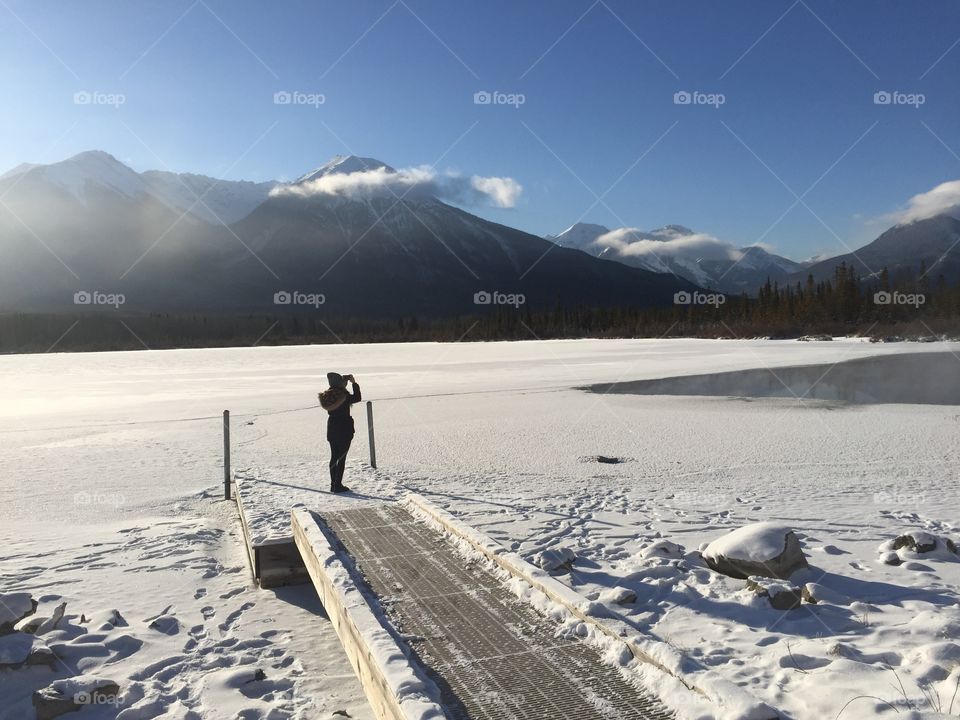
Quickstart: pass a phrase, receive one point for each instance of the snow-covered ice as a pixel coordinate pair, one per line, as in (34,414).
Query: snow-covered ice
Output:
(111,478)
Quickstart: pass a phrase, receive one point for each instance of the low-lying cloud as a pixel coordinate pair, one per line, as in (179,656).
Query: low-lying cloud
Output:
(943,199)
(501,192)
(632,242)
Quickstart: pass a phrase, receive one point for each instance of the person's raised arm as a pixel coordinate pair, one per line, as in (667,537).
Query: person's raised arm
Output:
(355,398)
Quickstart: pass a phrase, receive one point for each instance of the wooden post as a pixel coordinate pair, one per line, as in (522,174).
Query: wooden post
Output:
(373,447)
(226,454)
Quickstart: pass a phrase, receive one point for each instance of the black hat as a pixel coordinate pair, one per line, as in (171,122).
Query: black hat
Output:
(336,380)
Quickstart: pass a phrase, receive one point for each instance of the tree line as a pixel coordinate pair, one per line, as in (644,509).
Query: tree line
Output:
(911,304)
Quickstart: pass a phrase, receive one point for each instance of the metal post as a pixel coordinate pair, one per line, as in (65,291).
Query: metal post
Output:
(373,447)
(226,454)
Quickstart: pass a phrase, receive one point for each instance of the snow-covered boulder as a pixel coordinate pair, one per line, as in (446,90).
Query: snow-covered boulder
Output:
(555,558)
(816,593)
(766,549)
(19,649)
(71,694)
(166,624)
(782,595)
(917,544)
(42,624)
(662,548)
(14,607)
(618,596)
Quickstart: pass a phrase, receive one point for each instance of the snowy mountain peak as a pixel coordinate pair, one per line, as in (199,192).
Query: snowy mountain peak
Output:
(209,199)
(344,165)
(670,231)
(94,167)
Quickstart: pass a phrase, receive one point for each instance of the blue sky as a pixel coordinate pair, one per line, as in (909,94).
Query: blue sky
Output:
(599,119)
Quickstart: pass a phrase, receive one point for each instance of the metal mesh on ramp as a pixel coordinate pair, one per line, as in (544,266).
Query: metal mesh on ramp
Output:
(492,655)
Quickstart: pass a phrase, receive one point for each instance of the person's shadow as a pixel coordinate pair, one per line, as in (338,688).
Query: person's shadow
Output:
(321,491)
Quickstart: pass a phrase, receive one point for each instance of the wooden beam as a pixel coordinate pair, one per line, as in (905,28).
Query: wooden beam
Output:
(393,683)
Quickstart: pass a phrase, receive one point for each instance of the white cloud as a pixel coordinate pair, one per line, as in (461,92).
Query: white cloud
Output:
(944,198)
(503,192)
(631,242)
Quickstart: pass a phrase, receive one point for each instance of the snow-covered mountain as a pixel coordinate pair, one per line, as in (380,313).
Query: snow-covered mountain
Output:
(76,175)
(343,165)
(932,243)
(675,249)
(205,198)
(208,198)
(92,223)
(579,236)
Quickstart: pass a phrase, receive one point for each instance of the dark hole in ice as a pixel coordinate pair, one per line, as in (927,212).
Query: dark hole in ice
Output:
(609,460)
(911,378)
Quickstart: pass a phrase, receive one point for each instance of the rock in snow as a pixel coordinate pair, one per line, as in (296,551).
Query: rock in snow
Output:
(71,694)
(19,649)
(782,596)
(555,558)
(765,549)
(916,544)
(43,624)
(53,621)
(618,596)
(662,548)
(14,607)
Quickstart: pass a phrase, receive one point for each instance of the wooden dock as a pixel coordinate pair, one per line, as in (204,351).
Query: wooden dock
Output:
(274,558)
(421,607)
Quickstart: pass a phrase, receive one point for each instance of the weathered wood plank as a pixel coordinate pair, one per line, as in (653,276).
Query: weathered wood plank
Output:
(388,674)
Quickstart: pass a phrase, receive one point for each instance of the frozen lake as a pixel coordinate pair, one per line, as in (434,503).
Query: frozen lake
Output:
(95,444)
(931,378)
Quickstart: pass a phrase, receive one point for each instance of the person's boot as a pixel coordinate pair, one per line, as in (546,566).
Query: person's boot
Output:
(340,488)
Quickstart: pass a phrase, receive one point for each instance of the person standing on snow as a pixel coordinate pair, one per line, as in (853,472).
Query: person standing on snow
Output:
(336,400)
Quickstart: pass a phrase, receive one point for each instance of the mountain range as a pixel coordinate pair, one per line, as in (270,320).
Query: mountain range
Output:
(170,242)
(932,243)
(341,238)
(678,250)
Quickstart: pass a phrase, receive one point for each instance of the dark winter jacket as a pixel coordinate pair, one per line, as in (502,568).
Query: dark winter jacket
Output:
(339,423)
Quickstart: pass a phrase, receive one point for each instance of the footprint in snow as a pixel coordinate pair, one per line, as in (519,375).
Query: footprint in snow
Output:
(234,616)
